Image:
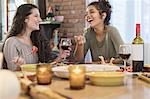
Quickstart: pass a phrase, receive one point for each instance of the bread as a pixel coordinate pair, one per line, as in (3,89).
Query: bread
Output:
(38,91)
(44,92)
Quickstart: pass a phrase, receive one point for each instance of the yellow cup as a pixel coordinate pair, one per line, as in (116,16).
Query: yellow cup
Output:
(44,74)
(77,77)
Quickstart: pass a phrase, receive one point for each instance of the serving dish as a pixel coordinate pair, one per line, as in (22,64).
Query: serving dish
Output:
(28,67)
(62,71)
(106,78)
(30,75)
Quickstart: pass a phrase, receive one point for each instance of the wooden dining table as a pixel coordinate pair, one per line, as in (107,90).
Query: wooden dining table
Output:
(133,88)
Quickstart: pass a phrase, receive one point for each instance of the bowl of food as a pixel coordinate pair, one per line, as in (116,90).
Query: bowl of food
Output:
(30,75)
(28,67)
(106,78)
(62,71)
(28,70)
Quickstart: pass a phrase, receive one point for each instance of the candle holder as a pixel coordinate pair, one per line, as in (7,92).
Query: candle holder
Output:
(44,74)
(77,77)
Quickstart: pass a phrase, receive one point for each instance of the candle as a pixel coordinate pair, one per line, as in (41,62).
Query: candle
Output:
(77,77)
(44,74)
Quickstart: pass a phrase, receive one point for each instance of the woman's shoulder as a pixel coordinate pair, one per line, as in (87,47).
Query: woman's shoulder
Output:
(11,40)
(112,30)
(88,32)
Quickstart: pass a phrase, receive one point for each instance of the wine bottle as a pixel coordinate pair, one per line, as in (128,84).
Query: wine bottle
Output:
(138,51)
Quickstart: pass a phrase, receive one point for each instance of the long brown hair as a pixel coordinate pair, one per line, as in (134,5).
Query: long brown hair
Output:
(37,37)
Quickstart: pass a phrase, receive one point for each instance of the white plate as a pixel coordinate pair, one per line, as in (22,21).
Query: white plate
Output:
(62,71)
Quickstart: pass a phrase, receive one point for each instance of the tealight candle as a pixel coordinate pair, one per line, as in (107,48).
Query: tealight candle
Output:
(44,74)
(77,77)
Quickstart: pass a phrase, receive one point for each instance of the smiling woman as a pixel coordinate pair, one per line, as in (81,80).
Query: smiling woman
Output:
(26,37)
(101,38)
(18,40)
(131,12)
(7,11)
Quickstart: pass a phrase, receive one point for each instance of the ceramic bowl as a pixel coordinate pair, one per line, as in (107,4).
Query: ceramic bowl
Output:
(59,18)
(28,67)
(106,78)
(62,71)
(30,75)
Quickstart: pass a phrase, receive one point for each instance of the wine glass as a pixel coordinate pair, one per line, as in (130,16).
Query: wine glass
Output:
(125,52)
(65,43)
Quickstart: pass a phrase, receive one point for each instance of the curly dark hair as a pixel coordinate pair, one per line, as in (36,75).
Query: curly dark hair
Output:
(103,6)
(37,37)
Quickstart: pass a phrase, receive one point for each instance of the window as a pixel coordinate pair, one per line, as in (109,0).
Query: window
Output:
(7,12)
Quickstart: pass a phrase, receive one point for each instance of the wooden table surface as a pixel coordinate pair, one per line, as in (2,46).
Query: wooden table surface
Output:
(133,88)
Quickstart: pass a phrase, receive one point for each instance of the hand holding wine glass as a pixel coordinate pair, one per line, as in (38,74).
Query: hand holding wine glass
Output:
(125,52)
(65,44)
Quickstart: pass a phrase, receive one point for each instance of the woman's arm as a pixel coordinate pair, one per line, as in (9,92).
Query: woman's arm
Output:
(80,46)
(11,54)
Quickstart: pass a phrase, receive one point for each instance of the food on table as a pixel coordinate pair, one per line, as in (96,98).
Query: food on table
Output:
(102,59)
(111,61)
(127,68)
(145,76)
(38,91)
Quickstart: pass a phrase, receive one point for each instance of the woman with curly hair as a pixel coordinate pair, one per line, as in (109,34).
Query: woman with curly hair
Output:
(25,43)
(101,38)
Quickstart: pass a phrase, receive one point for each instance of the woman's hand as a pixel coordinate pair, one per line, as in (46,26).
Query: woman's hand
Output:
(18,61)
(64,53)
(80,40)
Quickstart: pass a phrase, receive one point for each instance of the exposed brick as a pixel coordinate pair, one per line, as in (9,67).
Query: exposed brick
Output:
(67,0)
(57,1)
(66,3)
(68,7)
(73,12)
(77,2)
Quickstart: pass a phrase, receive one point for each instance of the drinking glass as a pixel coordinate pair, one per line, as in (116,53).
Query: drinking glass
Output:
(44,74)
(65,43)
(125,52)
(77,77)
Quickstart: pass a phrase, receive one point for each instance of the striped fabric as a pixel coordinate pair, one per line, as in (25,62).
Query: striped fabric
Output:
(13,48)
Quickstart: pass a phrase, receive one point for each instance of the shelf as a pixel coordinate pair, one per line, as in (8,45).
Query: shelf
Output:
(49,22)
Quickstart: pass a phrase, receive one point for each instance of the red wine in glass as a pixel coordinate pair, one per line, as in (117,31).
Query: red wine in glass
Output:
(125,52)
(65,43)
(65,47)
(125,56)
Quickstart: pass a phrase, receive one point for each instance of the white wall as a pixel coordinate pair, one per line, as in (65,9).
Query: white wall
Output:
(125,15)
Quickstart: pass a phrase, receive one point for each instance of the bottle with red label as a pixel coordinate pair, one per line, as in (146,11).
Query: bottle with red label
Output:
(138,51)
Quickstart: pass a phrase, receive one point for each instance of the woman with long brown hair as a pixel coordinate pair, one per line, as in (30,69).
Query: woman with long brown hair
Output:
(26,44)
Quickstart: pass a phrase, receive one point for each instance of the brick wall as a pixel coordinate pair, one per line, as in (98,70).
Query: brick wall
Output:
(73,12)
